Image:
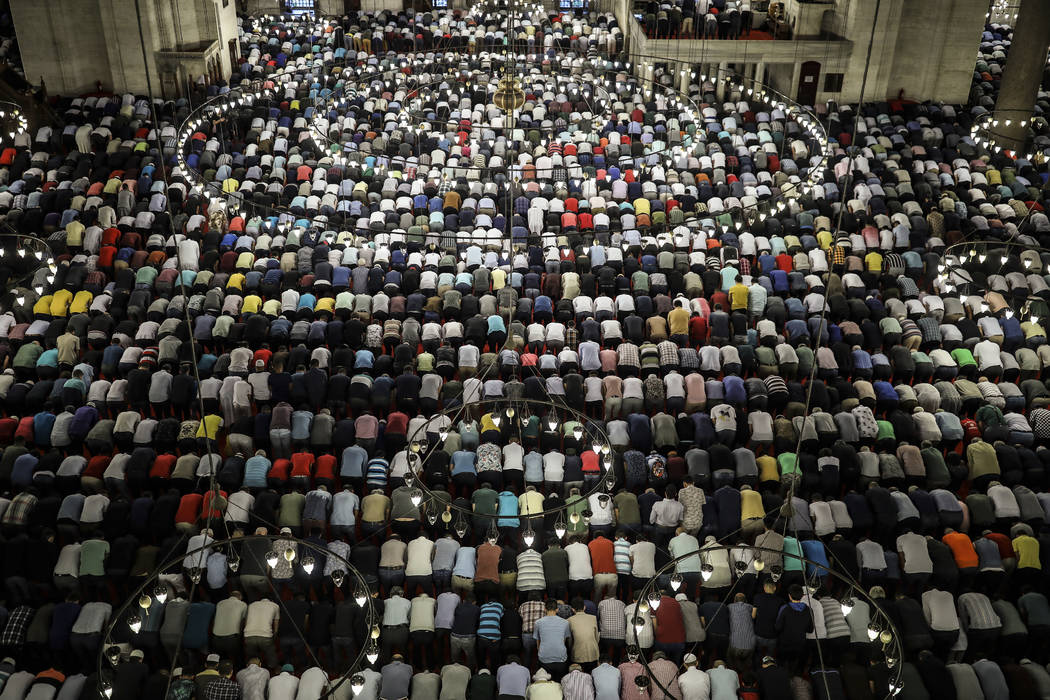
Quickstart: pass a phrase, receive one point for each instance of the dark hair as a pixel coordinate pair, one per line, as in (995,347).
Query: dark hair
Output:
(551,604)
(795,591)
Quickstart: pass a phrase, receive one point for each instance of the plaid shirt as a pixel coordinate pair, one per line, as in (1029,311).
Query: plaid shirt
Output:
(668,353)
(18,512)
(222,689)
(572,337)
(181,689)
(627,355)
(612,624)
(530,611)
(15,631)
(838,256)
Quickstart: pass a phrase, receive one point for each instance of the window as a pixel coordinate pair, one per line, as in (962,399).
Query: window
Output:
(573,4)
(833,82)
(299,7)
(438,3)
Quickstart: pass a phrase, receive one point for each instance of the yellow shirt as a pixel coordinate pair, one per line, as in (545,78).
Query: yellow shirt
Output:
(81,302)
(499,280)
(1027,550)
(209,427)
(325,304)
(678,321)
(43,306)
(767,468)
(751,504)
(487,424)
(251,304)
(873,262)
(60,302)
(738,294)
(236,281)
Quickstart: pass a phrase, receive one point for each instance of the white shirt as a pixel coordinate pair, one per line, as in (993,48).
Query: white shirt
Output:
(312,684)
(695,685)
(579,561)
(283,687)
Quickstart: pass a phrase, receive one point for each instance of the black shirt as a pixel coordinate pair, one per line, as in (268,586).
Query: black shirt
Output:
(465,619)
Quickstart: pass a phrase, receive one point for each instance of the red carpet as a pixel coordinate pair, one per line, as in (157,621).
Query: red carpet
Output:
(755,35)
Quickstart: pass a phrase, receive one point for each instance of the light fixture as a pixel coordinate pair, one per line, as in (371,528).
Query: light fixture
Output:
(676,581)
(308,564)
(271,558)
(528,537)
(873,631)
(654,600)
(372,653)
(161,593)
(357,683)
(289,554)
(847,606)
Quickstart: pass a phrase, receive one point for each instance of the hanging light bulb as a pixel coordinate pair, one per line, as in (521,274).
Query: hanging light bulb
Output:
(416,497)
(559,527)
(145,601)
(510,412)
(107,689)
(375,632)
(461,526)
(574,518)
(873,631)
(891,661)
(308,564)
(195,574)
(372,654)
(676,581)
(847,606)
(135,623)
(706,571)
(577,431)
(528,537)
(443,433)
(552,420)
(758,564)
(234,564)
(654,600)
(639,624)
(161,594)
(271,558)
(410,478)
(885,636)
(289,554)
(775,572)
(357,683)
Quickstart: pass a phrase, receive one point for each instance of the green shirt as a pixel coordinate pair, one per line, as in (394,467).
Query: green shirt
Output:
(485,502)
(93,557)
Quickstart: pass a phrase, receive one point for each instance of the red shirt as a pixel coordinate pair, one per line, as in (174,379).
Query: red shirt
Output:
(302,464)
(697,329)
(669,626)
(279,470)
(189,508)
(96,467)
(206,504)
(325,467)
(162,466)
(601,549)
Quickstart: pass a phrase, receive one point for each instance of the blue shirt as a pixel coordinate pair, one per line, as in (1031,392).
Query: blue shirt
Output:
(606,682)
(488,621)
(466,560)
(551,632)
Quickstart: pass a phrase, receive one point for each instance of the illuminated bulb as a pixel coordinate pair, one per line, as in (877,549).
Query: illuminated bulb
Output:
(289,555)
(496,419)
(161,594)
(639,624)
(271,558)
(308,564)
(654,600)
(528,537)
(873,632)
(759,564)
(372,654)
(847,606)
(135,623)
(357,683)
(886,636)
(417,497)
(145,601)
(706,571)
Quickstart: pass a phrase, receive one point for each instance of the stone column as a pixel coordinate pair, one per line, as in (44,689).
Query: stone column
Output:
(1024,72)
(723,71)
(760,73)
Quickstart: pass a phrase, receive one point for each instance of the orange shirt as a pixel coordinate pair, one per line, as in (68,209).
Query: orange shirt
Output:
(962,549)
(601,549)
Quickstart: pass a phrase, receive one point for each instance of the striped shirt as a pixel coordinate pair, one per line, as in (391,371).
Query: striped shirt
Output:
(376,473)
(530,571)
(977,613)
(621,557)
(488,620)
